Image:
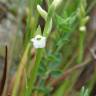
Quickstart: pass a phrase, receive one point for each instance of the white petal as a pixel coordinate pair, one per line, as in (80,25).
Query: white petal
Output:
(39,43)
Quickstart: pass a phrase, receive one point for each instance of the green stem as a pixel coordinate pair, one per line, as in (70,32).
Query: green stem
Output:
(19,72)
(81,47)
(34,72)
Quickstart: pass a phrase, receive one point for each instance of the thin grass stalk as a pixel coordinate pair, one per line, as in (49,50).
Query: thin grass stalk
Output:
(19,72)
(92,82)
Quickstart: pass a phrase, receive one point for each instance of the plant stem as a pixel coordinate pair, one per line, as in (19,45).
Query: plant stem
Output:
(34,72)
(19,72)
(81,46)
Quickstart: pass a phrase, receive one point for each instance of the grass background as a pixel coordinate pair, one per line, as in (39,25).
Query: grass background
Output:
(66,67)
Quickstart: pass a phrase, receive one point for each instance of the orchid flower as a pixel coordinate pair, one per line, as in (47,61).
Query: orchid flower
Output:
(39,41)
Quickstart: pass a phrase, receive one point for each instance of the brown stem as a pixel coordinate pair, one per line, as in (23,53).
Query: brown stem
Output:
(4,72)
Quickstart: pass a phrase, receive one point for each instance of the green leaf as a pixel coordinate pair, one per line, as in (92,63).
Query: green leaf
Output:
(38,31)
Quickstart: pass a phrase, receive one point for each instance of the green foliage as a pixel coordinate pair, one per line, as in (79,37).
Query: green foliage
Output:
(65,47)
(84,92)
(39,52)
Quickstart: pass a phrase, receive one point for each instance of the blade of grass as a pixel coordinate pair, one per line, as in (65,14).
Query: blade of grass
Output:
(19,72)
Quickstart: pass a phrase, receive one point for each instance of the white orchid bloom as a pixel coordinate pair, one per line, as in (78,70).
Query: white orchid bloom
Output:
(82,28)
(39,41)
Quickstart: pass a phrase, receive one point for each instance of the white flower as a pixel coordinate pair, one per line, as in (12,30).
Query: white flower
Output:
(39,41)
(82,28)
